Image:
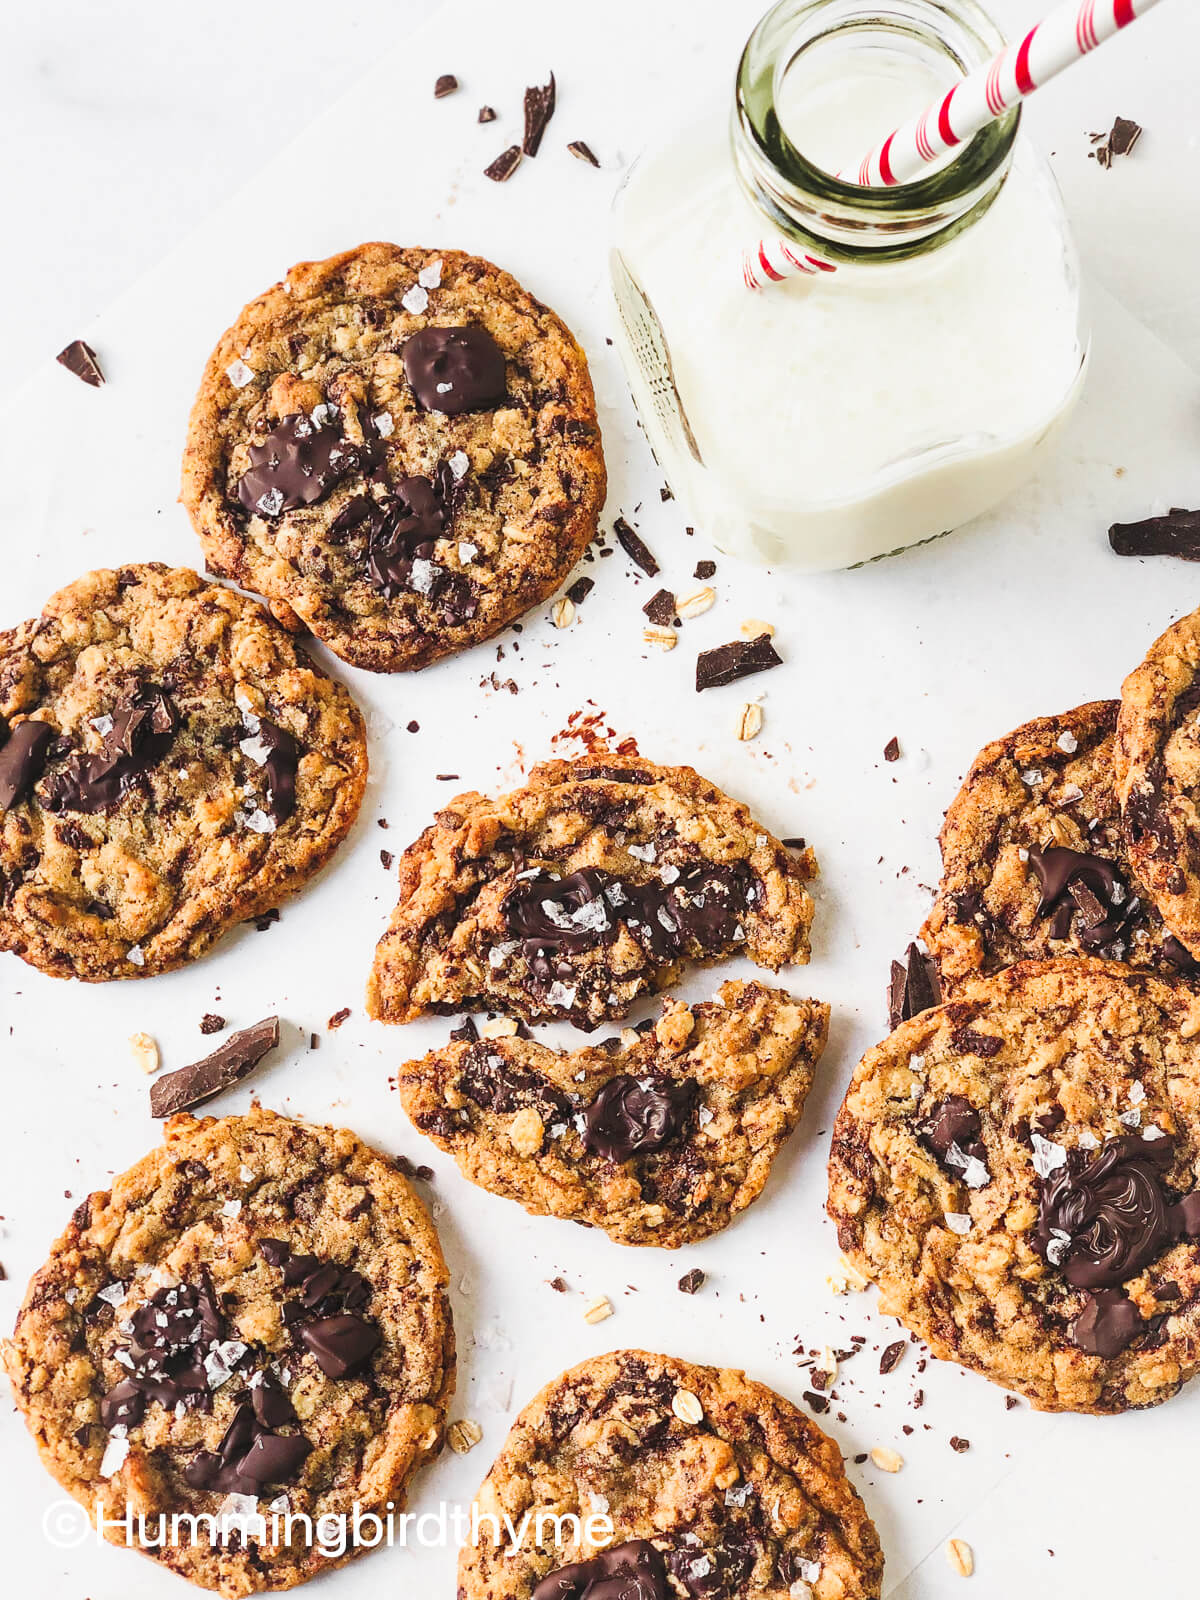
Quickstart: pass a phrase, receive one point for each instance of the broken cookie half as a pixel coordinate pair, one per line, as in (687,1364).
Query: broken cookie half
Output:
(659,1137)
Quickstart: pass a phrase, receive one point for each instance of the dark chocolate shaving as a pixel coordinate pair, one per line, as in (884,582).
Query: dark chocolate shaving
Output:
(539,108)
(583,152)
(232,1061)
(1118,141)
(505,164)
(634,548)
(1176,534)
(79,358)
(913,987)
(445,85)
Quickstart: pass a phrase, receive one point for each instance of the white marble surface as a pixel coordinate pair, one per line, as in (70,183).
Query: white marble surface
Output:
(1027,612)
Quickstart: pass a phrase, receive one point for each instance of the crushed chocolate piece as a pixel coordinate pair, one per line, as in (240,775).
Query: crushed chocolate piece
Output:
(539,108)
(634,548)
(487,114)
(583,152)
(705,569)
(580,589)
(1175,534)
(386,859)
(445,85)
(228,1064)
(505,164)
(691,1282)
(913,987)
(1118,141)
(890,1358)
(891,750)
(80,359)
(210,1022)
(338,1018)
(741,658)
(660,608)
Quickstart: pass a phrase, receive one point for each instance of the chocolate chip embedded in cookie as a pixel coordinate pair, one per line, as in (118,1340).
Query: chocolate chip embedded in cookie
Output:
(659,1140)
(1019,1171)
(1034,861)
(171,764)
(1157,763)
(255,1310)
(593,885)
(399,450)
(712,1486)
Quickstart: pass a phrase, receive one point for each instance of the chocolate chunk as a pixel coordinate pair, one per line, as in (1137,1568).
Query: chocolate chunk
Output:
(297,464)
(283,757)
(275,1252)
(453,370)
(80,359)
(954,1122)
(445,85)
(229,1064)
(580,589)
(1177,955)
(969,1042)
(272,1407)
(890,1358)
(660,608)
(739,659)
(959,1445)
(691,1282)
(583,152)
(630,1118)
(1118,141)
(505,164)
(716,1572)
(705,569)
(143,728)
(210,1022)
(633,547)
(124,1405)
(1073,881)
(539,108)
(274,1458)
(487,114)
(891,750)
(1102,1219)
(1108,1324)
(568,914)
(22,760)
(341,1345)
(338,1018)
(1176,534)
(631,1571)
(913,987)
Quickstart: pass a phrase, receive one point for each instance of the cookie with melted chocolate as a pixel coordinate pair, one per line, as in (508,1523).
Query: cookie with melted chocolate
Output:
(398,449)
(1018,1170)
(660,1140)
(1035,862)
(595,884)
(716,1487)
(258,1308)
(171,765)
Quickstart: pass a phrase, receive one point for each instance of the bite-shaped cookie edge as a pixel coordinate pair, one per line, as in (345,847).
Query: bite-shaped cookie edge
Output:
(742,1409)
(98,1217)
(384,268)
(1076,1381)
(1158,818)
(431,879)
(782,1035)
(276,881)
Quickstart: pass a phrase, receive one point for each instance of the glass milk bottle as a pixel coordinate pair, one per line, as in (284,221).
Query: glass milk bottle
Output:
(830,419)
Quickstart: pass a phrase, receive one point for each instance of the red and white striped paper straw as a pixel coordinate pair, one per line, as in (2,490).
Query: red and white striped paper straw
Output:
(1070,32)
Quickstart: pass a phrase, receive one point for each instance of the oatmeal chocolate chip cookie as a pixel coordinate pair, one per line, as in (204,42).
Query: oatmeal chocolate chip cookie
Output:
(171,764)
(1034,862)
(714,1485)
(254,1318)
(593,885)
(399,450)
(1018,1170)
(1157,761)
(659,1138)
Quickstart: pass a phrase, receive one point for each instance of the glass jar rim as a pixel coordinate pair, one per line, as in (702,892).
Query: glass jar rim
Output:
(780,169)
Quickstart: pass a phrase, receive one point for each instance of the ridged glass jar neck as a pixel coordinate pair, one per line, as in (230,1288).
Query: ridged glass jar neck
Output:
(842,220)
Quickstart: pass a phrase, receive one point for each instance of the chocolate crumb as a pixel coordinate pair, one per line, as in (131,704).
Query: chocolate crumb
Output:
(958,1444)
(692,1281)
(79,358)
(505,164)
(1176,534)
(580,589)
(660,608)
(445,85)
(210,1022)
(741,658)
(705,569)
(890,1358)
(817,1402)
(796,842)
(338,1018)
(314,1041)
(891,750)
(229,1064)
(1118,141)
(584,152)
(1011,1402)
(386,858)
(539,108)
(559,1285)
(487,114)
(634,548)
(267,919)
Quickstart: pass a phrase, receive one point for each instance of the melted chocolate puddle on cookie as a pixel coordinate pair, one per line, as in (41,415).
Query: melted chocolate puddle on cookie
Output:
(142,729)
(634,1570)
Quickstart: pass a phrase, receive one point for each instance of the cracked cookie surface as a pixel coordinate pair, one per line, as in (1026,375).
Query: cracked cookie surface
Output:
(714,1484)
(398,448)
(591,886)
(255,1310)
(1034,861)
(1017,1170)
(1157,760)
(171,764)
(659,1141)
